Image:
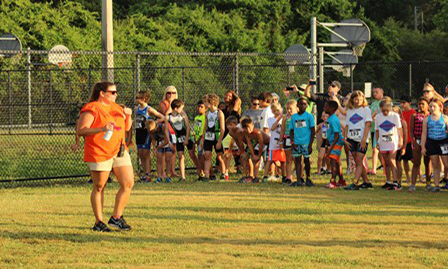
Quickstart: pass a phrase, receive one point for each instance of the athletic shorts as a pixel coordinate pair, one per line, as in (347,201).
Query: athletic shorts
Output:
(373,136)
(324,144)
(277,155)
(436,147)
(181,146)
(164,149)
(408,154)
(335,154)
(300,150)
(356,146)
(111,163)
(209,145)
(147,144)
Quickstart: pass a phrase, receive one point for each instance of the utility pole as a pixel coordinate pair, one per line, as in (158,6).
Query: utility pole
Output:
(415,19)
(107,40)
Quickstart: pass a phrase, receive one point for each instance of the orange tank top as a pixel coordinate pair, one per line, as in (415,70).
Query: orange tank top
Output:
(96,149)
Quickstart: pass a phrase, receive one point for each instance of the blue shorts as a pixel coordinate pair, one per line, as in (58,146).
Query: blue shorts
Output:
(300,150)
(147,144)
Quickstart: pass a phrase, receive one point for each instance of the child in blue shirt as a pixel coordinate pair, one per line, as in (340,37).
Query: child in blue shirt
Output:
(335,141)
(302,135)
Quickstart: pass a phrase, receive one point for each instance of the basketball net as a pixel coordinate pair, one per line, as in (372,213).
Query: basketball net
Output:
(291,65)
(357,50)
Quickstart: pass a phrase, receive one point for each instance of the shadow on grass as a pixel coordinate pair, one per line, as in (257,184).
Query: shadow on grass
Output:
(128,238)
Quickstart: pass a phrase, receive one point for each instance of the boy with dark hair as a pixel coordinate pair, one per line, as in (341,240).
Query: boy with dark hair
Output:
(336,143)
(198,129)
(181,126)
(265,103)
(302,137)
(260,139)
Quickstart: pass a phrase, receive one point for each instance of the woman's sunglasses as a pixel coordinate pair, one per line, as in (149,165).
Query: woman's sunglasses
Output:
(171,92)
(112,92)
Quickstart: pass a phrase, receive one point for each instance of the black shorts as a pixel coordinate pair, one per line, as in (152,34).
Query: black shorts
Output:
(324,144)
(436,147)
(181,147)
(408,154)
(209,145)
(356,146)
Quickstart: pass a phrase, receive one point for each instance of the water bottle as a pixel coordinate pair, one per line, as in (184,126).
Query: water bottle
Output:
(108,135)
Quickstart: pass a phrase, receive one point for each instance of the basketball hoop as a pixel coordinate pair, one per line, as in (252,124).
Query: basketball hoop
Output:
(296,54)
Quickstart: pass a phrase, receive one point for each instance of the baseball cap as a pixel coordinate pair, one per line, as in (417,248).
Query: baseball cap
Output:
(274,95)
(405,98)
(336,83)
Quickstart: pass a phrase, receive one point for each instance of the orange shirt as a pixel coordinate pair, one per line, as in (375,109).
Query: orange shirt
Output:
(407,117)
(96,149)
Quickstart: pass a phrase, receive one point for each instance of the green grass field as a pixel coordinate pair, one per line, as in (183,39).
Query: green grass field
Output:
(226,225)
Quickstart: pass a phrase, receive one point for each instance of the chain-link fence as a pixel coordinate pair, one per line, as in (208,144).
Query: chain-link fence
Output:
(40,101)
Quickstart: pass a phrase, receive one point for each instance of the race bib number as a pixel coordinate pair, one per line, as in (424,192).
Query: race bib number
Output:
(300,123)
(444,149)
(387,138)
(418,141)
(288,142)
(324,135)
(181,139)
(210,136)
(354,134)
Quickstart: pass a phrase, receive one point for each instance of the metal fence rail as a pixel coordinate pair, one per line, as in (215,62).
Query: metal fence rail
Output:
(40,102)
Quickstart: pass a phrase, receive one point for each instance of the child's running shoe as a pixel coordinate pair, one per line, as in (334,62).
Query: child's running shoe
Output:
(435,189)
(182,180)
(265,179)
(200,178)
(444,180)
(286,180)
(352,187)
(101,227)
(159,180)
(309,183)
(213,177)
(445,187)
(298,183)
(119,223)
(366,185)
(397,187)
(226,177)
(168,180)
(412,188)
(386,185)
(255,180)
(341,183)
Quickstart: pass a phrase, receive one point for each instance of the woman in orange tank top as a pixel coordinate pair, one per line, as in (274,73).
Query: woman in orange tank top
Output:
(104,152)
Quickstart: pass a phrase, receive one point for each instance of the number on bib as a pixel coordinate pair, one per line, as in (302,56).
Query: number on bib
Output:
(288,142)
(181,139)
(210,136)
(354,134)
(387,138)
(300,123)
(444,148)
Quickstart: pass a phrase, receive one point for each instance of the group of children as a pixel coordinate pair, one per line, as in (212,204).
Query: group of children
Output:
(286,139)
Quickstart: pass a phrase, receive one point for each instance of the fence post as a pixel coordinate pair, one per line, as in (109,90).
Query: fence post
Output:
(237,76)
(28,63)
(137,71)
(320,65)
(351,78)
(50,82)
(410,79)
(10,101)
(69,85)
(183,82)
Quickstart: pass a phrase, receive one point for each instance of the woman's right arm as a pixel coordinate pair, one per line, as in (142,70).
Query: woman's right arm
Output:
(86,120)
